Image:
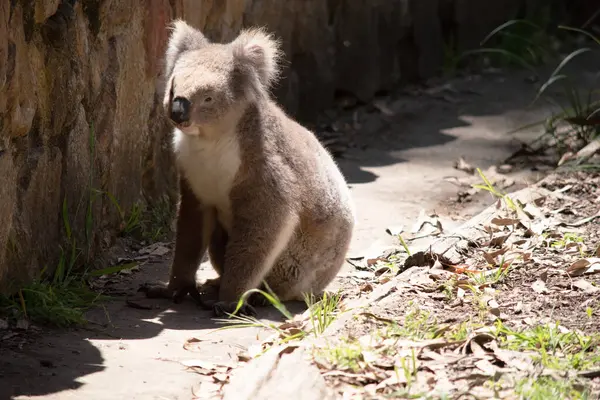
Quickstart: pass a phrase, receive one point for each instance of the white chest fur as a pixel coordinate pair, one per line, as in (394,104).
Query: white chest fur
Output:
(210,166)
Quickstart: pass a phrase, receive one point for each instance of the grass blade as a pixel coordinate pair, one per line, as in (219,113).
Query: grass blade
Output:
(506,25)
(554,77)
(588,34)
(60,268)
(113,269)
(65,215)
(568,59)
(546,85)
(115,203)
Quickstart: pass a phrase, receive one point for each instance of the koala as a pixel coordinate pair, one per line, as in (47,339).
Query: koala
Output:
(258,191)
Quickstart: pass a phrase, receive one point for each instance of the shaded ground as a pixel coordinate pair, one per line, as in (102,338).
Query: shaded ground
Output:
(397,154)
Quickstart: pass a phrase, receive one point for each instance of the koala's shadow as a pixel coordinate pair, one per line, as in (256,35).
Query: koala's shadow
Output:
(54,360)
(134,316)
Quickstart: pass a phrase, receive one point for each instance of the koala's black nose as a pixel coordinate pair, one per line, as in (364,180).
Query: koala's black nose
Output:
(180,110)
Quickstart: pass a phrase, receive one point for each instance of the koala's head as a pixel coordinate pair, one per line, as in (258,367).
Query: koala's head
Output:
(206,81)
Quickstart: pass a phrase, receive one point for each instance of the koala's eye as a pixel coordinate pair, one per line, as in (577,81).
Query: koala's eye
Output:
(207,99)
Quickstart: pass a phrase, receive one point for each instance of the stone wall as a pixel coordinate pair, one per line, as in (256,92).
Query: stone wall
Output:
(78,95)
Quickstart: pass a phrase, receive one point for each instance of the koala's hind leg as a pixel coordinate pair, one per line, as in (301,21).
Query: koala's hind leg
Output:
(310,263)
(252,250)
(333,256)
(194,227)
(216,252)
(216,247)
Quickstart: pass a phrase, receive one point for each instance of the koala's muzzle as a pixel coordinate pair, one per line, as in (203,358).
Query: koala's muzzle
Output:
(180,110)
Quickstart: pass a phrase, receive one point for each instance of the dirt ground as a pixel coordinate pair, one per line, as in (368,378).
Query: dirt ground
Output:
(398,154)
(519,306)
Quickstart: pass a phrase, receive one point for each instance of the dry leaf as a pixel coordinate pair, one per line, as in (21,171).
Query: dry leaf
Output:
(155,249)
(207,366)
(505,221)
(254,350)
(589,150)
(494,307)
(464,166)
(421,220)
(491,229)
(498,204)
(394,380)
(584,266)
(569,155)
(474,344)
(220,378)
(498,241)
(486,367)
(590,374)
(539,286)
(395,230)
(139,305)
(192,344)
(518,308)
(532,211)
(373,261)
(243,356)
(383,108)
(366,287)
(582,222)
(160,251)
(574,248)
(499,252)
(538,227)
(513,359)
(437,265)
(369,356)
(586,286)
(363,275)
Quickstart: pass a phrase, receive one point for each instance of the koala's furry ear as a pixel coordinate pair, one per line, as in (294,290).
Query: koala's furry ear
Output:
(258,50)
(183,38)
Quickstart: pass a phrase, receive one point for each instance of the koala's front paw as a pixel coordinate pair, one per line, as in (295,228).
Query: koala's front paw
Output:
(223,308)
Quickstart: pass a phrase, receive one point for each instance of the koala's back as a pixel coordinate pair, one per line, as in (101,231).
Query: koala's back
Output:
(302,168)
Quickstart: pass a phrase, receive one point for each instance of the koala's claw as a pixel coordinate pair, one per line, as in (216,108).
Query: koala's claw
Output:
(223,308)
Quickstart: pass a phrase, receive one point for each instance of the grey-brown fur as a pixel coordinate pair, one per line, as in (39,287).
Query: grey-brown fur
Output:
(257,189)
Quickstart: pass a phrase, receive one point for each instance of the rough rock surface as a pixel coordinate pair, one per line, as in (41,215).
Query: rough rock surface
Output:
(79,95)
